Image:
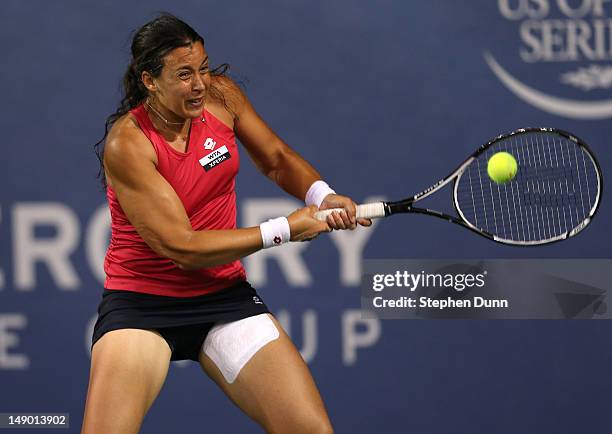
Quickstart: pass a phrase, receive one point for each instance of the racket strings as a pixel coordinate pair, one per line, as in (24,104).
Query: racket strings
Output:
(555,189)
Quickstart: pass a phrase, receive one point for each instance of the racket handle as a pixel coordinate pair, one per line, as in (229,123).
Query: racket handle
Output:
(365,211)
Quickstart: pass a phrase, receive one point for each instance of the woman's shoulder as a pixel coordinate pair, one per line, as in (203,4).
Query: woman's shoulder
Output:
(226,85)
(226,93)
(126,136)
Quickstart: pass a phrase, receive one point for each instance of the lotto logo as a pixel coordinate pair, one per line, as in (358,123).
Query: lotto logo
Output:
(277,240)
(209,144)
(257,300)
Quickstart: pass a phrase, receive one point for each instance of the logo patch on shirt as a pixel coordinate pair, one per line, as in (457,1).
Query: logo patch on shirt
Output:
(209,144)
(215,158)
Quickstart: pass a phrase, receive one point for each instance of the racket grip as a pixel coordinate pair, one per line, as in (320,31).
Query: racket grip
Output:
(365,211)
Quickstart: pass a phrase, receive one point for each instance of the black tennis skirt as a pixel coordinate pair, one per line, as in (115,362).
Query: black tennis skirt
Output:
(183,321)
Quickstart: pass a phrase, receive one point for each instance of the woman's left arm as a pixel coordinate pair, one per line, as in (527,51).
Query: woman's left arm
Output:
(284,166)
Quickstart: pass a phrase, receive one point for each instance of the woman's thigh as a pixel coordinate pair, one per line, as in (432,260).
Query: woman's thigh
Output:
(128,369)
(275,388)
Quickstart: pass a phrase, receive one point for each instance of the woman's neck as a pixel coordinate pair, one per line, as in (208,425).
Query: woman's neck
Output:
(167,122)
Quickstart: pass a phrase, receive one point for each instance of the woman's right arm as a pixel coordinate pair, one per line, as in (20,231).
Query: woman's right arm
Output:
(156,212)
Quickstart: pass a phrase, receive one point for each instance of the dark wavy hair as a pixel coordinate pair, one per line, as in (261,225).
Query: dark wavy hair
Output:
(150,44)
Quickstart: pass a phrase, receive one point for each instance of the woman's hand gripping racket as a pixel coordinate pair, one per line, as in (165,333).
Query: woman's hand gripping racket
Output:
(552,195)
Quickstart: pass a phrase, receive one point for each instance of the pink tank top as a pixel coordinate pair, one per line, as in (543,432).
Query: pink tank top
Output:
(204,180)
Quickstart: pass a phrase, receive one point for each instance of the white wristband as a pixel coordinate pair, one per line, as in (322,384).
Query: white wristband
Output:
(317,192)
(275,232)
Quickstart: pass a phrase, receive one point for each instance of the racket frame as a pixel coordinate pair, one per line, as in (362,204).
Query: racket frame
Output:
(406,205)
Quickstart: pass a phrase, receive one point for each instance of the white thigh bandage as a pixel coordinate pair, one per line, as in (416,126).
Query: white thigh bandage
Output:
(231,345)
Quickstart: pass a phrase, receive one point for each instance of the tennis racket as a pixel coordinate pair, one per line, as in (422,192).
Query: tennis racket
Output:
(553,196)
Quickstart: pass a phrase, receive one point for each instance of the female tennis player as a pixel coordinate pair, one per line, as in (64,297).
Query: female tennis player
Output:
(175,288)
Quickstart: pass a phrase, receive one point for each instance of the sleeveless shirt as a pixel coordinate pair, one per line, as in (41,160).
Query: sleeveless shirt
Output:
(204,180)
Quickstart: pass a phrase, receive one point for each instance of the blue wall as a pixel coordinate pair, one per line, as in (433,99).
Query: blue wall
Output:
(383,98)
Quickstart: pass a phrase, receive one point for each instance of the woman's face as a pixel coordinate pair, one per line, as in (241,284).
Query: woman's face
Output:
(183,83)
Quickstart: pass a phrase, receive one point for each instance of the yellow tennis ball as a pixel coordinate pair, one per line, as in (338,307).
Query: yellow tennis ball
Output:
(502,167)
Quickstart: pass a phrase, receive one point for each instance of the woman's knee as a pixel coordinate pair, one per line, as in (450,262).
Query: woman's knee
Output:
(303,424)
(319,424)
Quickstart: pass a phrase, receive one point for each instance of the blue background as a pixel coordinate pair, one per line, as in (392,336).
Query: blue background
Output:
(381,97)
